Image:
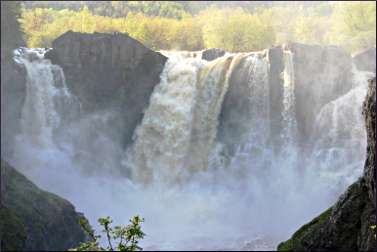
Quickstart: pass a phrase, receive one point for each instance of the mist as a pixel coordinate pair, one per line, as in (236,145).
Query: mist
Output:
(251,199)
(234,153)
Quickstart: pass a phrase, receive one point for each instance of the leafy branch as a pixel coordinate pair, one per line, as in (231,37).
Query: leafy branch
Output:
(127,237)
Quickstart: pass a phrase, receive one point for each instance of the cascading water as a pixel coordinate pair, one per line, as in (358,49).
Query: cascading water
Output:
(337,153)
(192,190)
(179,127)
(45,86)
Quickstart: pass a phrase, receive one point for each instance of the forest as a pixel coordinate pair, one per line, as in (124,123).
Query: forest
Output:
(177,25)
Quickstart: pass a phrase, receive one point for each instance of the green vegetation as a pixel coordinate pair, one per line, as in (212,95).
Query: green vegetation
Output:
(29,219)
(12,230)
(127,238)
(295,242)
(187,26)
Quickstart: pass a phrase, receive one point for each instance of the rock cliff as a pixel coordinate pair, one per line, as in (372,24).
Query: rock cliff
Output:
(321,74)
(366,60)
(109,70)
(33,219)
(347,224)
(211,54)
(13,92)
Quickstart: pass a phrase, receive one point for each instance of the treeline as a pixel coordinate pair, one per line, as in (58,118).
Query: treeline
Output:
(175,26)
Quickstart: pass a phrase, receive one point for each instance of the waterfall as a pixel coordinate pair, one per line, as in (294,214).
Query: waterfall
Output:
(45,89)
(179,127)
(339,143)
(289,133)
(202,168)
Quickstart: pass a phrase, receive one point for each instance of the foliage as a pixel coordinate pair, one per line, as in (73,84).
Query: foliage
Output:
(12,230)
(239,27)
(373,227)
(127,237)
(354,25)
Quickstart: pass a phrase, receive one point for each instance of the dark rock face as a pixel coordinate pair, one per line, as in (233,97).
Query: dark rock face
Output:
(347,225)
(321,74)
(13,92)
(370,122)
(35,219)
(275,80)
(236,111)
(109,70)
(211,54)
(366,60)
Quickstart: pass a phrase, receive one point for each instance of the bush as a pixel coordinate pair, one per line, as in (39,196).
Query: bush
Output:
(118,238)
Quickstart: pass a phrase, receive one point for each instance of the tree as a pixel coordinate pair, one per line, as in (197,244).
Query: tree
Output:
(127,238)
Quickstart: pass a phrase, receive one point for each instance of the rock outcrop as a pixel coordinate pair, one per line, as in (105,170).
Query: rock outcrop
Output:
(13,77)
(33,219)
(321,74)
(211,54)
(109,70)
(347,224)
(13,92)
(366,60)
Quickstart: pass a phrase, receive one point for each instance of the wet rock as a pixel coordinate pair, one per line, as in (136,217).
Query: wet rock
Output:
(13,92)
(321,74)
(211,54)
(347,224)
(275,80)
(33,219)
(366,60)
(109,70)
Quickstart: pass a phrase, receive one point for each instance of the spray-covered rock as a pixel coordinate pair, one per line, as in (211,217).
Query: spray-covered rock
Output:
(33,219)
(348,224)
(366,60)
(211,54)
(106,70)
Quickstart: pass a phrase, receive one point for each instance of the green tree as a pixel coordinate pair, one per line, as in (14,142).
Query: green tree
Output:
(118,238)
(354,25)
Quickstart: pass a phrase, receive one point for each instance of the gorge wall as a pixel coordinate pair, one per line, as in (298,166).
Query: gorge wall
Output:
(109,70)
(160,136)
(33,219)
(347,224)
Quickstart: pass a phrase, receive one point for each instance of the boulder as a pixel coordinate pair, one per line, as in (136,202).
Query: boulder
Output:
(109,70)
(211,54)
(33,219)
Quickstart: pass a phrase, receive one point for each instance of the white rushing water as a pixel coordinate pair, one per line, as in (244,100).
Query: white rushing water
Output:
(191,195)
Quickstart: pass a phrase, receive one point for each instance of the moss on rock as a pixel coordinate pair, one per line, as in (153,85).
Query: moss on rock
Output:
(35,219)
(295,243)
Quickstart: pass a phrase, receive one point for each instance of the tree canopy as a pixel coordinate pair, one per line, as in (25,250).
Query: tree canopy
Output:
(235,27)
